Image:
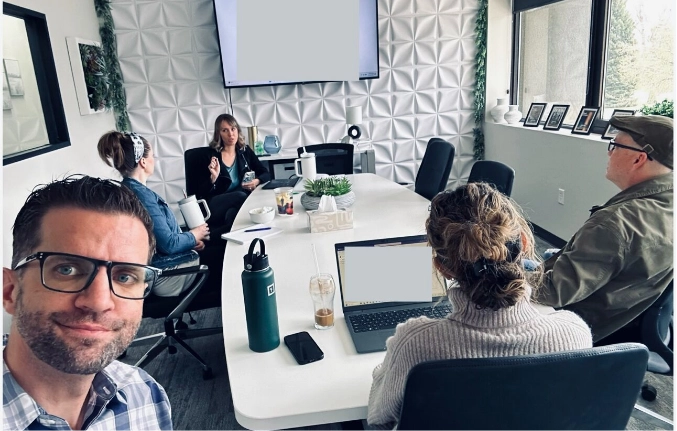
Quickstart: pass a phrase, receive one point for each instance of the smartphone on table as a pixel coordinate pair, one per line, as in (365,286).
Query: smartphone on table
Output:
(303,348)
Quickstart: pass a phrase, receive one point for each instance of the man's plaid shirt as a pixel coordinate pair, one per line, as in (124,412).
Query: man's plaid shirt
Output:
(122,397)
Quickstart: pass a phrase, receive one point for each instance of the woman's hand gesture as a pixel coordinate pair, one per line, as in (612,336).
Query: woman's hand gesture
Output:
(214,169)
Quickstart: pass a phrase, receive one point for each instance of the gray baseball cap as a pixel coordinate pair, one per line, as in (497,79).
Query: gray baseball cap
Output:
(654,133)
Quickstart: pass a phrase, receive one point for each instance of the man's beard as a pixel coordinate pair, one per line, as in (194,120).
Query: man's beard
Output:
(37,330)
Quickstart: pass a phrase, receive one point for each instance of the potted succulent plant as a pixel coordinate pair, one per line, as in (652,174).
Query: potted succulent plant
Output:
(339,187)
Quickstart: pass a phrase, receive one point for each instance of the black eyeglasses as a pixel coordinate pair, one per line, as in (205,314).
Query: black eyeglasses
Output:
(70,273)
(613,144)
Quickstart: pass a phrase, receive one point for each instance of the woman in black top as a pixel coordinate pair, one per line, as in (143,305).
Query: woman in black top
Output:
(221,183)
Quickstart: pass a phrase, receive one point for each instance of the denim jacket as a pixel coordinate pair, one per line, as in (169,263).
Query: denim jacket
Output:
(173,246)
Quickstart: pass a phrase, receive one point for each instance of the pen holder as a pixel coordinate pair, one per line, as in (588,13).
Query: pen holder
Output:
(330,221)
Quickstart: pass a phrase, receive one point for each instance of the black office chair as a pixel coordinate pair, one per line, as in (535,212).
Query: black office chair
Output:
(171,309)
(195,160)
(580,389)
(498,174)
(332,158)
(433,174)
(656,335)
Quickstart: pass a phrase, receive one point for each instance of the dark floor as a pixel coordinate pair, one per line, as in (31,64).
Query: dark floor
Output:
(207,405)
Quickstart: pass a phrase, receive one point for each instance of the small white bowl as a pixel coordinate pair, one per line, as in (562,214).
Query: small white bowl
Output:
(262,215)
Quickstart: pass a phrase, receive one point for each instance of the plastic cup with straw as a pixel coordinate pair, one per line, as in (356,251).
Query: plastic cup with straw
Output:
(322,292)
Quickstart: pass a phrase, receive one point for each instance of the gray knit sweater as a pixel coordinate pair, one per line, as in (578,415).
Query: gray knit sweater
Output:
(468,333)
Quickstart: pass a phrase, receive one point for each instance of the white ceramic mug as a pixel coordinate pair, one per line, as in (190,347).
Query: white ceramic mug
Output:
(305,166)
(190,209)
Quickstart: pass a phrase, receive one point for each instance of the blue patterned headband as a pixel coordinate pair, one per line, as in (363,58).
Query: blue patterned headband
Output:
(138,146)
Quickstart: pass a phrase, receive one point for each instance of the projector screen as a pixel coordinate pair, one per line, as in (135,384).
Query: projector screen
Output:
(270,42)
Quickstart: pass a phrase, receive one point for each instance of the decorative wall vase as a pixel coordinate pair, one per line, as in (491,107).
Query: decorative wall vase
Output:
(498,111)
(343,201)
(513,115)
(271,144)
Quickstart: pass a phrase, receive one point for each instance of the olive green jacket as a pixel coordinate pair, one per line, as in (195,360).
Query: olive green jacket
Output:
(619,262)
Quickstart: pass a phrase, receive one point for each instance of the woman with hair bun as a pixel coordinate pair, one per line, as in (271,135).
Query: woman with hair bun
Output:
(479,239)
(132,157)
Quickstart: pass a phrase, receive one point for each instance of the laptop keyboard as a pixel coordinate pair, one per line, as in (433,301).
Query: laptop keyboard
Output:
(389,319)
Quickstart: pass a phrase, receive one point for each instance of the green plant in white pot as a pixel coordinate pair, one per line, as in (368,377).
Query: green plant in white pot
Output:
(339,187)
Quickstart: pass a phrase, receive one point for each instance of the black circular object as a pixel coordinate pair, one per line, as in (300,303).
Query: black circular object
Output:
(207,374)
(649,393)
(354,132)
(171,349)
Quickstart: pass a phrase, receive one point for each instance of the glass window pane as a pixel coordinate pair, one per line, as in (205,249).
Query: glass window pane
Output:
(640,53)
(23,120)
(553,61)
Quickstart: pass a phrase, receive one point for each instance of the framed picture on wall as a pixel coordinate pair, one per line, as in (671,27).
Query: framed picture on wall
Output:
(16,86)
(12,68)
(534,115)
(556,117)
(584,120)
(611,131)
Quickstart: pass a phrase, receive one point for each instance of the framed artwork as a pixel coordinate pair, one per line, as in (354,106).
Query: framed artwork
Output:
(6,100)
(556,117)
(89,74)
(12,68)
(611,131)
(534,115)
(16,86)
(584,120)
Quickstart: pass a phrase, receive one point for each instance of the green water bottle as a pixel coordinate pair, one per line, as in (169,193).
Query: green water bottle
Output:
(260,305)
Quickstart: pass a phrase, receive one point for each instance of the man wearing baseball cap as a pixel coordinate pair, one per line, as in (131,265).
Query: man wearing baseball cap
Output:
(620,261)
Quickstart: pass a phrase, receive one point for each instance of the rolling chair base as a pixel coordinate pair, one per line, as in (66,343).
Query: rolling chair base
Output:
(167,341)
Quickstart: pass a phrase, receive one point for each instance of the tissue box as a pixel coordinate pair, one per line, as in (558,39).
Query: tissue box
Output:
(328,221)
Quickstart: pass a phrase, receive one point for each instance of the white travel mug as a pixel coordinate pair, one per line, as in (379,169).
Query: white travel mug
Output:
(305,166)
(190,209)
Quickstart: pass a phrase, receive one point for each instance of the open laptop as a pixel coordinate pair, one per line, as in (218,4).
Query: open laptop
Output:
(371,323)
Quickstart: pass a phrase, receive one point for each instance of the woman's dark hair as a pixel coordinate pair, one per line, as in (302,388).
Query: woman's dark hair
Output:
(476,234)
(74,191)
(117,150)
(216,142)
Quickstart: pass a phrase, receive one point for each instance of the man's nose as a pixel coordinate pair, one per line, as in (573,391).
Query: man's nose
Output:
(97,296)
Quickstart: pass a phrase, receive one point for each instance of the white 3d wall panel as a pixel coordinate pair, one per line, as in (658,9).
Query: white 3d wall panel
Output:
(169,56)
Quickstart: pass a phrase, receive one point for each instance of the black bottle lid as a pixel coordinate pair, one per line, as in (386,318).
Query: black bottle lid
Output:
(256,261)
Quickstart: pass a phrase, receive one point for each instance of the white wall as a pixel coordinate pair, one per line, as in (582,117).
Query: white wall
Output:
(65,18)
(170,63)
(544,161)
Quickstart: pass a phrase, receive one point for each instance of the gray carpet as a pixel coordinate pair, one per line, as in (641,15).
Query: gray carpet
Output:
(206,405)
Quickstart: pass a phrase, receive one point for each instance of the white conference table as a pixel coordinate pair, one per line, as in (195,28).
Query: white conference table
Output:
(270,390)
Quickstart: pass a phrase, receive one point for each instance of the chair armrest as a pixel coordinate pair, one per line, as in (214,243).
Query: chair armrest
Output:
(198,269)
(187,296)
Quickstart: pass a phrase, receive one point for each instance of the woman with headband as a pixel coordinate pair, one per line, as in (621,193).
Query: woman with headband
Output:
(231,172)
(478,239)
(133,158)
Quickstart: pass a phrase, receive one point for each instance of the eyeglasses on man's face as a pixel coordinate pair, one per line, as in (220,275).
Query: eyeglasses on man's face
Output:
(614,144)
(70,273)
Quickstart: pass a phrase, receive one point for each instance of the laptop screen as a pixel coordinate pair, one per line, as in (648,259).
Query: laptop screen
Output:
(438,288)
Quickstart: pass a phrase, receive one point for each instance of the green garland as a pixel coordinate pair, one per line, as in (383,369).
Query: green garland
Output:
(480,78)
(117,93)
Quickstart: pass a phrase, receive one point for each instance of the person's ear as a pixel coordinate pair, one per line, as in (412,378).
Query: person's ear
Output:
(525,241)
(10,286)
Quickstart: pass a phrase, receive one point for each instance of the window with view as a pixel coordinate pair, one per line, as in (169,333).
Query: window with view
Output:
(640,54)
(553,60)
(578,53)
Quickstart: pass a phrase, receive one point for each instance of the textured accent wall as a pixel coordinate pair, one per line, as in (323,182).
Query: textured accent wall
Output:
(170,62)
